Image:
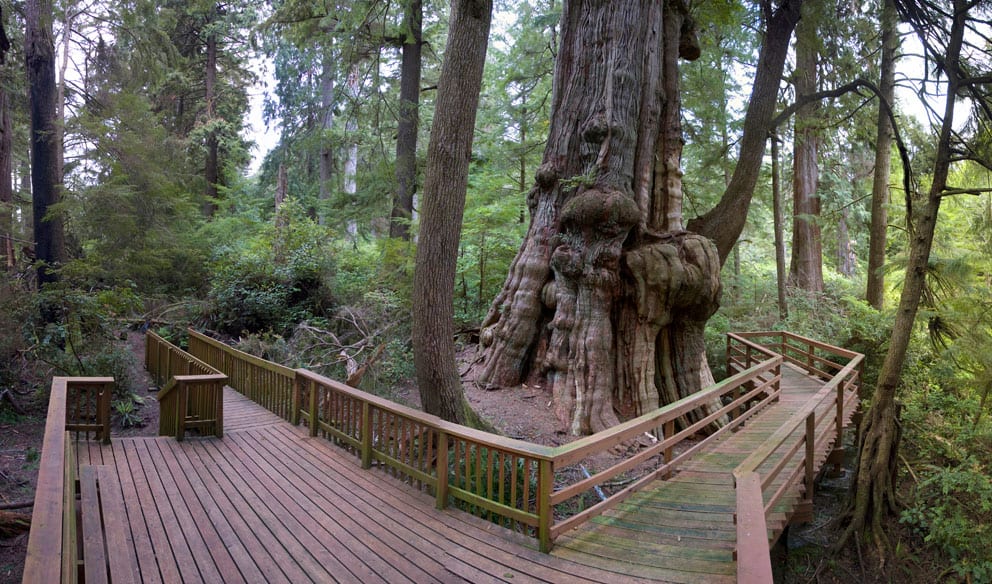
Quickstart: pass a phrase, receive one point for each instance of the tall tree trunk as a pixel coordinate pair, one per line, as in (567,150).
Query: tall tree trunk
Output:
(327,70)
(46,179)
(778,213)
(875,293)
(60,98)
(873,485)
(406,139)
(806,267)
(724,223)
(445,185)
(846,262)
(6,185)
(211,168)
(351,159)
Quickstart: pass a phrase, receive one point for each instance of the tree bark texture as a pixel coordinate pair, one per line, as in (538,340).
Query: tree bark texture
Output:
(778,213)
(406,138)
(326,164)
(875,293)
(445,184)
(608,295)
(874,480)
(6,184)
(724,223)
(211,166)
(46,179)
(806,266)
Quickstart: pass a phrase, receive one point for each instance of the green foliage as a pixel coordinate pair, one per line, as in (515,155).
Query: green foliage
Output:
(274,278)
(126,410)
(952,504)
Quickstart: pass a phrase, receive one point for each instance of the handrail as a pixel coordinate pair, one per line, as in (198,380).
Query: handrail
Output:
(53,540)
(192,395)
(752,553)
(515,483)
(266,383)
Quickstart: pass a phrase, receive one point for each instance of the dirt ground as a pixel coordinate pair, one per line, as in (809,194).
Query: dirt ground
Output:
(804,555)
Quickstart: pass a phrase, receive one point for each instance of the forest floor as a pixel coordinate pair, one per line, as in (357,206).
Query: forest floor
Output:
(804,556)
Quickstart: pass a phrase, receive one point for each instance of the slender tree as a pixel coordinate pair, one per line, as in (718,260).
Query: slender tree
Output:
(409,116)
(883,155)
(46,179)
(445,184)
(941,30)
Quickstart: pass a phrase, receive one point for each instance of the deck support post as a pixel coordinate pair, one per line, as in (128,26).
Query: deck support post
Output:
(545,483)
(441,471)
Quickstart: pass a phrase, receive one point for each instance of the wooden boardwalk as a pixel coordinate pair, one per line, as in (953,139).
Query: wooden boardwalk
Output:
(269,503)
(682,529)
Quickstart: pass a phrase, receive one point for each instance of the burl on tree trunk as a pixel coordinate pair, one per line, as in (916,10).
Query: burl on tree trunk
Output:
(608,295)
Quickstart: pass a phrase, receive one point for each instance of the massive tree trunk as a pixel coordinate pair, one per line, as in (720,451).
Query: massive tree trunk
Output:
(445,184)
(806,267)
(873,484)
(875,293)
(46,178)
(592,297)
(609,294)
(406,139)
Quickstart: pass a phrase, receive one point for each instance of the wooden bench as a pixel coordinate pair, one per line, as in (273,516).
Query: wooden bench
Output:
(107,548)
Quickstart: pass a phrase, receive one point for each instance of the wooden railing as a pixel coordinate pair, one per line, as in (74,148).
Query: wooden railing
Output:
(53,543)
(533,489)
(88,408)
(192,394)
(266,383)
(797,446)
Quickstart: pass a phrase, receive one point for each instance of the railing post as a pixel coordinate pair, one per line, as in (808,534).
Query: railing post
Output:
(810,454)
(668,430)
(441,471)
(106,390)
(294,414)
(366,435)
(729,358)
(545,482)
(181,398)
(313,408)
(219,407)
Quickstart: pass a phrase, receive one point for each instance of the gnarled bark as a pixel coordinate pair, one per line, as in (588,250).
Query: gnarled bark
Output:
(608,295)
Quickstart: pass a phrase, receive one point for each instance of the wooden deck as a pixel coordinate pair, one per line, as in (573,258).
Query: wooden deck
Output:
(269,503)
